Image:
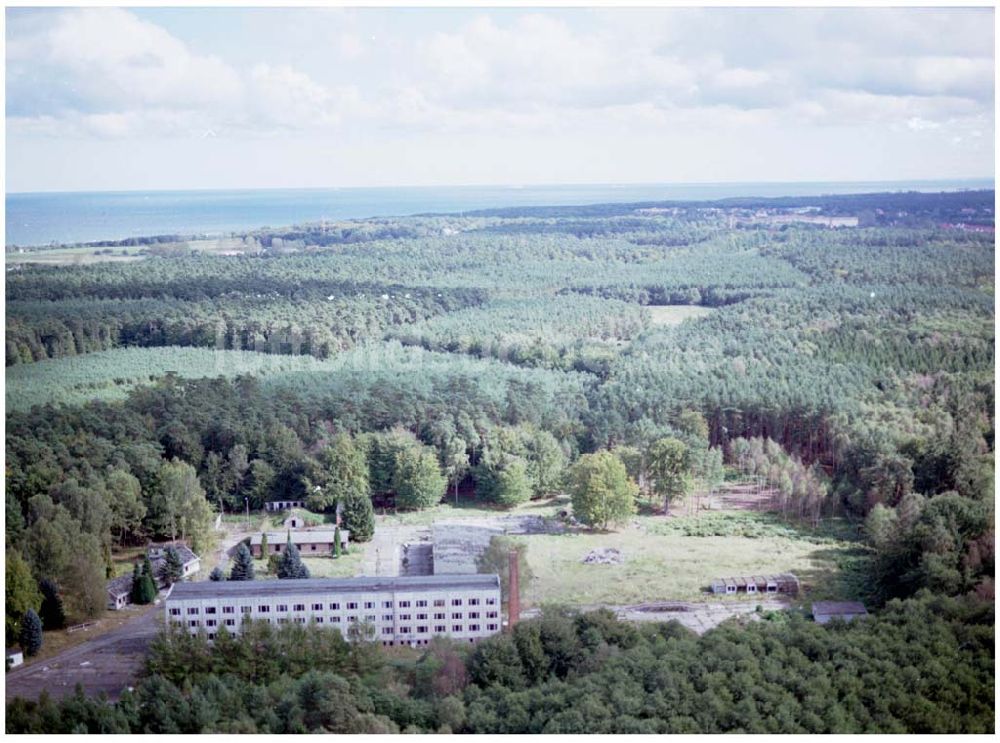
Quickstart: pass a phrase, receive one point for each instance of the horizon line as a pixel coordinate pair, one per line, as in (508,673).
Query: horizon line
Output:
(512,186)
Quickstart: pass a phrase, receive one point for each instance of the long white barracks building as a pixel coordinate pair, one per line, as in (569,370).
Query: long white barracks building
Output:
(404,610)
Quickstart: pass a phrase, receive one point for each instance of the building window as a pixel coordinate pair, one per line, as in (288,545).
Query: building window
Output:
(281,607)
(473,628)
(351,620)
(299,607)
(230,622)
(491,627)
(352,604)
(387,630)
(473,602)
(456,602)
(387,617)
(421,616)
(334,607)
(439,616)
(456,628)
(210,610)
(369,604)
(438,602)
(404,617)
(319,620)
(491,615)
(421,630)
(386,604)
(370,618)
(335,620)
(210,622)
(263,609)
(312,547)
(317,607)
(246,609)
(192,610)
(473,615)
(193,623)
(404,604)
(177,623)
(457,615)
(440,629)
(228,609)
(300,620)
(175,612)
(422,602)
(404,630)
(491,602)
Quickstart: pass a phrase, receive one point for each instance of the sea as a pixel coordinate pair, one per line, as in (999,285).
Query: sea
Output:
(35,219)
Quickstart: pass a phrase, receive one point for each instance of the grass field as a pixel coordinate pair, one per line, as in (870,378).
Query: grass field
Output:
(75,256)
(109,375)
(674,314)
(663,562)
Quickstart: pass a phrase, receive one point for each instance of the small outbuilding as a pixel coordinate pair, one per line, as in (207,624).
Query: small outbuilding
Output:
(284,505)
(846,611)
(119,592)
(309,541)
(786,583)
(14,657)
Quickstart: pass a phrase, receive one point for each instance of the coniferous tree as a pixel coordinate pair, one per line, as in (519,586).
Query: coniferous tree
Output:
(31,633)
(290,565)
(358,517)
(242,564)
(336,541)
(263,546)
(173,568)
(53,615)
(217,574)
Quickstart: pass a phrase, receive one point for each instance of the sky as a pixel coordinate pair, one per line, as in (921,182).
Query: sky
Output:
(187,98)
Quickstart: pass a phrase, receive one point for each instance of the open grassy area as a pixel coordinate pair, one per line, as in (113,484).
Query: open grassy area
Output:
(666,560)
(674,314)
(470,509)
(75,256)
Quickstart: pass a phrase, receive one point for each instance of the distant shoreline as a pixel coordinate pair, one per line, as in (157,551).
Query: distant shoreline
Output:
(77,218)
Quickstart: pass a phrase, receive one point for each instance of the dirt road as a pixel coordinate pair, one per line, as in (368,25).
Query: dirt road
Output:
(108,663)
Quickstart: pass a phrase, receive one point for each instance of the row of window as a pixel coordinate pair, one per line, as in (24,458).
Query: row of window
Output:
(335,606)
(421,630)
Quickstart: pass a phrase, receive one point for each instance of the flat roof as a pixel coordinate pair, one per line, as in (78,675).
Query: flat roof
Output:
(279,587)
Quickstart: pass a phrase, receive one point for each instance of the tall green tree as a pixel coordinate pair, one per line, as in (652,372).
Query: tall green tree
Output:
(290,565)
(603,495)
(31,633)
(52,613)
(20,593)
(173,567)
(242,568)
(125,499)
(358,517)
(669,469)
(417,479)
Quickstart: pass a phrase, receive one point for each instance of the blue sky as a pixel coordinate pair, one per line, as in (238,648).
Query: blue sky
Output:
(151,98)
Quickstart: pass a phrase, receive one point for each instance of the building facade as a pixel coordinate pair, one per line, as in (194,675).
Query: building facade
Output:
(395,610)
(311,542)
(753,584)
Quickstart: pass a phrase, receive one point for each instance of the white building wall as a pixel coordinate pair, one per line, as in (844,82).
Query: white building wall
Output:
(413,616)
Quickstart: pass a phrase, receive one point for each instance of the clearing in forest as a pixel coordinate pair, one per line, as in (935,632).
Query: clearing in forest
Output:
(675,314)
(677,559)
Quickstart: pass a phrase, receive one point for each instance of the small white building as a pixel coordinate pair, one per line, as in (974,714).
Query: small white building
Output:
(14,657)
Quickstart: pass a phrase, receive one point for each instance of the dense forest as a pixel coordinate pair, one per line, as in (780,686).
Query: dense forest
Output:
(852,369)
(921,666)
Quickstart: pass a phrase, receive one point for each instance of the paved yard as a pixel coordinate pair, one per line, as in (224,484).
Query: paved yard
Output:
(106,664)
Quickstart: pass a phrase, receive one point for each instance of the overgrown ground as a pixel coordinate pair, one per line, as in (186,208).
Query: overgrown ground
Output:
(677,559)
(674,314)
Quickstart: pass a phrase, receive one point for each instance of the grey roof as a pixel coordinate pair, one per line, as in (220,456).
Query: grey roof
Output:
(458,547)
(824,611)
(120,586)
(209,589)
(301,536)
